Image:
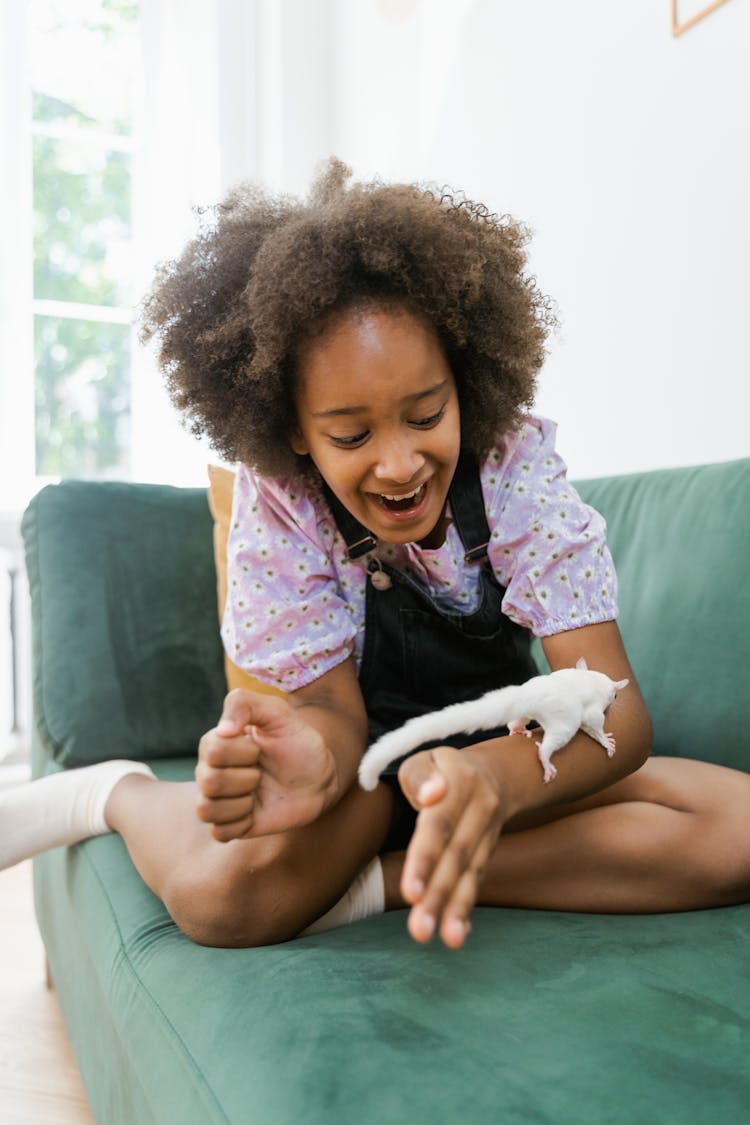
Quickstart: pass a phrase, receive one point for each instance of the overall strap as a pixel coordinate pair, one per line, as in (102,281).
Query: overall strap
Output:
(356,536)
(467,508)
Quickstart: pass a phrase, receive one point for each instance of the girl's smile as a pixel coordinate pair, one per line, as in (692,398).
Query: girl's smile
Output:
(377,412)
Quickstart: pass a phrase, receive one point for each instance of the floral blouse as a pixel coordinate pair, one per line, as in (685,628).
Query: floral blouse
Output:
(296,603)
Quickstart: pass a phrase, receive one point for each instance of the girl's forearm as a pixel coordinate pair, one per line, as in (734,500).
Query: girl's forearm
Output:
(583,766)
(334,707)
(346,740)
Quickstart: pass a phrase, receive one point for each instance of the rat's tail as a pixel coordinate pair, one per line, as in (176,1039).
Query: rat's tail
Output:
(490,710)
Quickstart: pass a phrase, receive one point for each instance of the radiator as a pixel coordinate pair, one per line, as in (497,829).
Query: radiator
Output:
(15,663)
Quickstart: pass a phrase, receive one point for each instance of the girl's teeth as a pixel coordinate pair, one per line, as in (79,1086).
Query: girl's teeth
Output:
(406,496)
(403,503)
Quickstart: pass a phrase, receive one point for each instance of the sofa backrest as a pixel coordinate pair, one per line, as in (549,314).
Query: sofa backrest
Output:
(681,543)
(127,653)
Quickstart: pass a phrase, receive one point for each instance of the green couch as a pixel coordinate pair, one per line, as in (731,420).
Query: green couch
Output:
(542,1018)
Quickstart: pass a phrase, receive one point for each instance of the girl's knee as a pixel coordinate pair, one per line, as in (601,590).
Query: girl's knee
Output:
(234,898)
(728,844)
(717,840)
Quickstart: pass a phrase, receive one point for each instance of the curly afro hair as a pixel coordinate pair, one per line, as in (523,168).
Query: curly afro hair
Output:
(266,273)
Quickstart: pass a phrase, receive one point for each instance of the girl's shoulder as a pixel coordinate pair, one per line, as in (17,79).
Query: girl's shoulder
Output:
(523,457)
(295,500)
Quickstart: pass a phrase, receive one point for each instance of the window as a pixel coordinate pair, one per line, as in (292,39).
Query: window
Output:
(84,58)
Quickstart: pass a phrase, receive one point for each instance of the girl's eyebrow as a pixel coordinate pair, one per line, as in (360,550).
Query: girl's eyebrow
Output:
(361,409)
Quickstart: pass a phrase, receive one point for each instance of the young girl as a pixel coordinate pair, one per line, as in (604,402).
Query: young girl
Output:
(401,527)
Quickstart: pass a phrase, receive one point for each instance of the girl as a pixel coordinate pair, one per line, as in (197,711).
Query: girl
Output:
(401,527)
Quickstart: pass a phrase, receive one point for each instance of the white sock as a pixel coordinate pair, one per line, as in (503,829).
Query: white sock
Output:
(365,897)
(60,809)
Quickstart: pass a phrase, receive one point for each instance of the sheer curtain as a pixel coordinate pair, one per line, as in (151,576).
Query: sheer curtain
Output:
(198,114)
(233,90)
(16,389)
(16,342)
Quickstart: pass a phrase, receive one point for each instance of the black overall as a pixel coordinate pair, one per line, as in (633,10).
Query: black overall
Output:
(419,656)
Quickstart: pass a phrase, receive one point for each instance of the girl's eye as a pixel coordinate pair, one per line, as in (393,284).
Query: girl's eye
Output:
(426,423)
(358,439)
(347,442)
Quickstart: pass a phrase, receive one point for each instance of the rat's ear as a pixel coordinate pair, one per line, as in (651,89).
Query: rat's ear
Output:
(582,664)
(620,684)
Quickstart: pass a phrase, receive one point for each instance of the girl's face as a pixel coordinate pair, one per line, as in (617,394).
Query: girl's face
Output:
(377,411)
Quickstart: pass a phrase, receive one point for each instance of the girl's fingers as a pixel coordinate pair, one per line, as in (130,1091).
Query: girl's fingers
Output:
(237,830)
(427,787)
(432,832)
(455,924)
(420,780)
(243,708)
(234,782)
(223,753)
(446,837)
(464,851)
(225,810)
(451,843)
(450,891)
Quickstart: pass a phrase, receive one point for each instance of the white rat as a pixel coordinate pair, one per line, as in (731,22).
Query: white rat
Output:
(563,702)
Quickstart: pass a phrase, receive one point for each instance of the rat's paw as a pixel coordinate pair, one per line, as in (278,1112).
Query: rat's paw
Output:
(518,726)
(609,744)
(550,771)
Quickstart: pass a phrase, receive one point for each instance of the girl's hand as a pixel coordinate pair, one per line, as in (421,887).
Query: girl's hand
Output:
(460,817)
(262,769)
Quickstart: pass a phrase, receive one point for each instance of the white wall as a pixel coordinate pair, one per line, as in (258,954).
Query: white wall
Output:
(628,152)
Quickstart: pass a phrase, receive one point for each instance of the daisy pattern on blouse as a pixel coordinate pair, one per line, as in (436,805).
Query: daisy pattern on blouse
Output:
(548,549)
(296,602)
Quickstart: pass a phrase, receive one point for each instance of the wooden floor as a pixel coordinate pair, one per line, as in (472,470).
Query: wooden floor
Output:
(39,1079)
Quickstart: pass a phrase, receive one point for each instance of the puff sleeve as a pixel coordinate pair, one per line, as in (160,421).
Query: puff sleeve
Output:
(285,620)
(547,547)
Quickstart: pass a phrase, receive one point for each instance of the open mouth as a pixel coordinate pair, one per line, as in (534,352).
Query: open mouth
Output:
(405,503)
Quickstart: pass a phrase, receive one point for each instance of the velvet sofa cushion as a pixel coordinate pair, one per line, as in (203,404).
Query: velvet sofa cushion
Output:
(128,657)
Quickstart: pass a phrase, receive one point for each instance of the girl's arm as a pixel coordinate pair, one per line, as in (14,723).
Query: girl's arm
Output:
(466,797)
(274,763)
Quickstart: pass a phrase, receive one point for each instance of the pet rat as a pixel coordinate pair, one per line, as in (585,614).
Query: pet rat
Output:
(562,703)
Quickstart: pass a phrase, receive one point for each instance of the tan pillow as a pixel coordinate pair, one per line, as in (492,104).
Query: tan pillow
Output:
(220,502)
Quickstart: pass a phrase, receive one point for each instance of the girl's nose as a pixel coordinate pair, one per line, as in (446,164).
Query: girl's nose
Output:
(398,461)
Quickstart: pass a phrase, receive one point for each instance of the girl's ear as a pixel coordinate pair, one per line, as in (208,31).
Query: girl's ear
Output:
(298,443)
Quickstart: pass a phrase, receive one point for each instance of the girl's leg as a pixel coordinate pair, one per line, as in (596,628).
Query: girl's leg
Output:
(59,809)
(246,892)
(675,835)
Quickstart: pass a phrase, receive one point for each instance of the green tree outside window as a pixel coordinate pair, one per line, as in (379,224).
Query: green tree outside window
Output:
(84,59)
